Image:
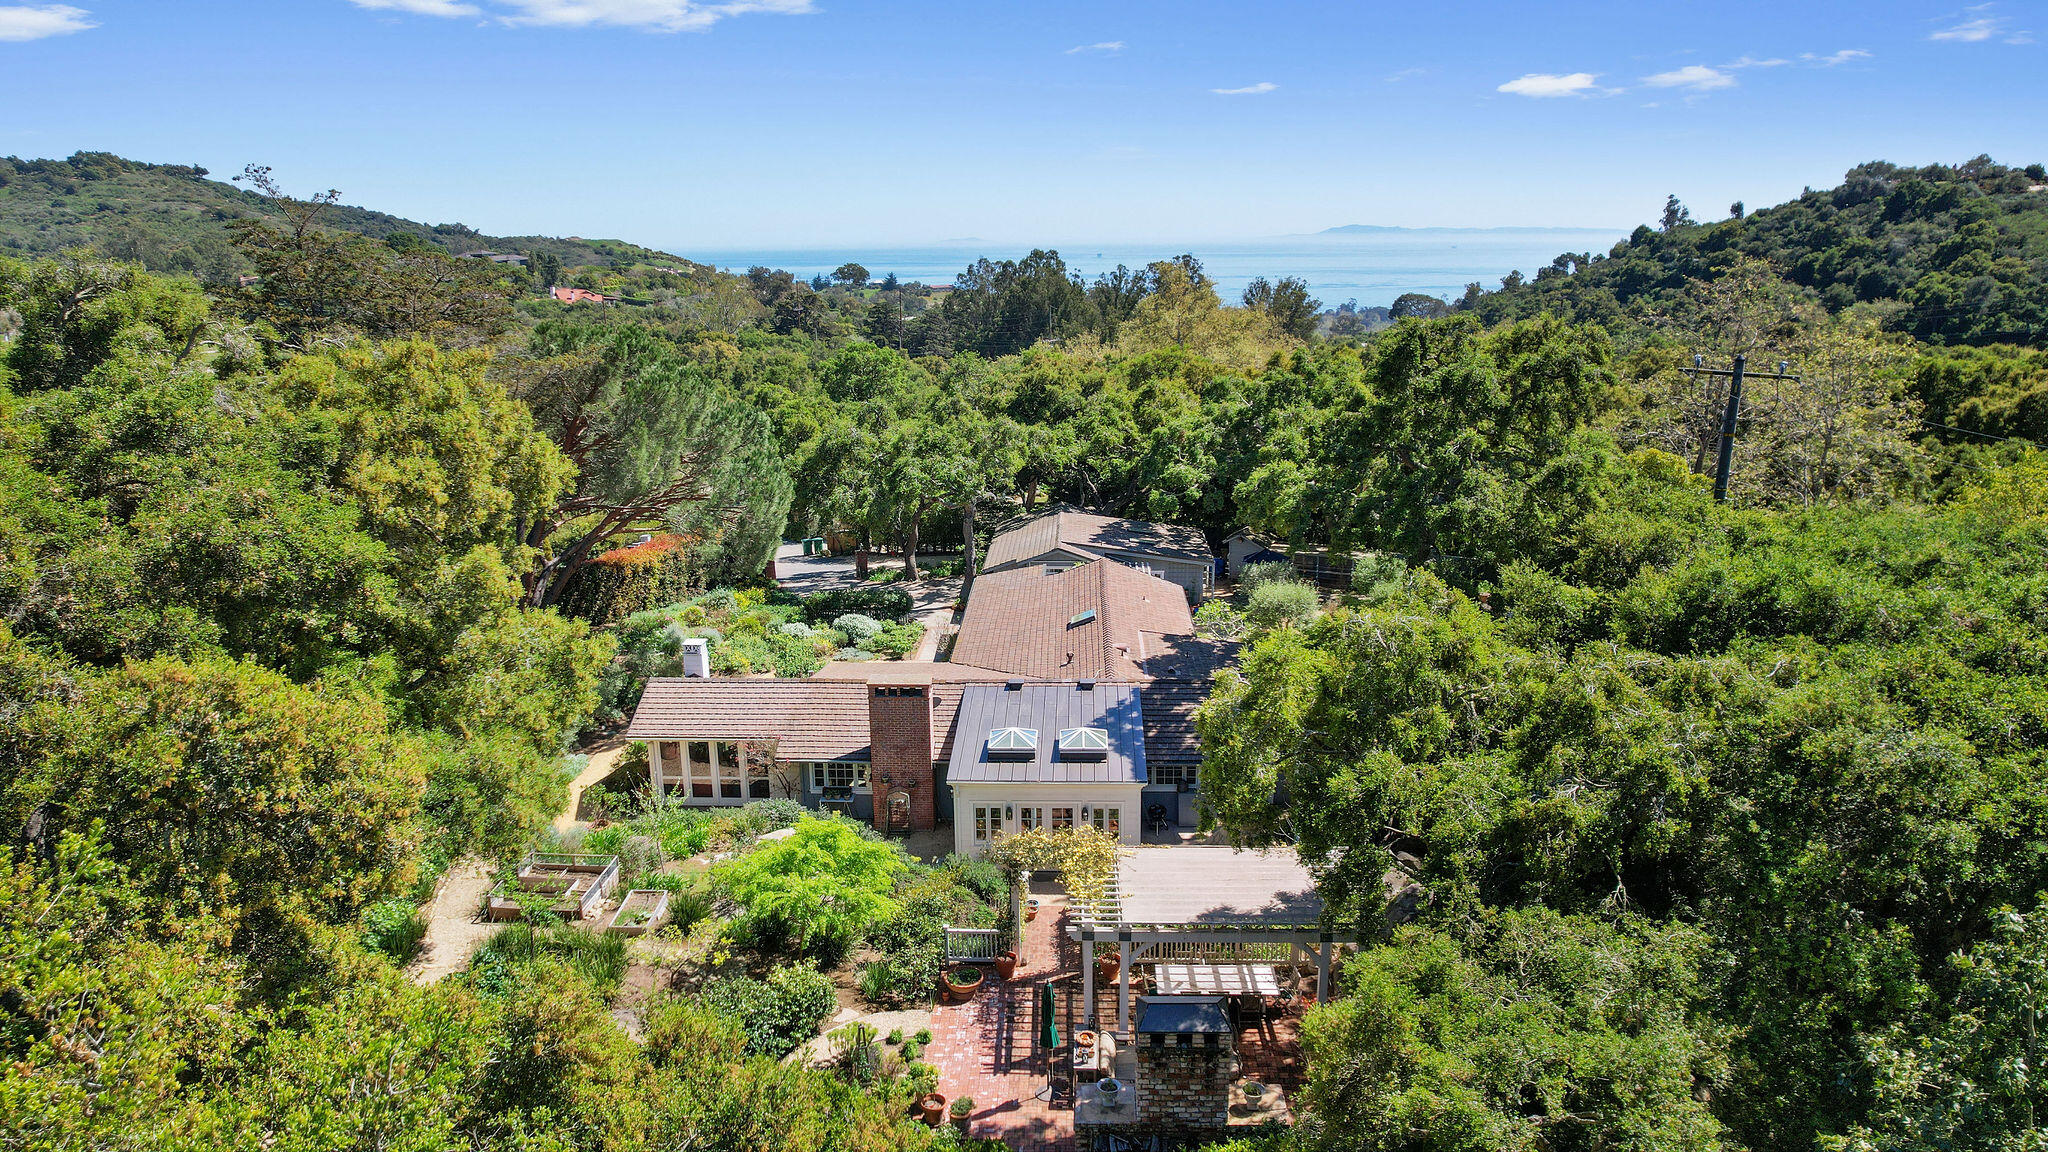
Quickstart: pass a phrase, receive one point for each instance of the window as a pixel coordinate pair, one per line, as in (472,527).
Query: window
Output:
(728,770)
(1029,818)
(837,774)
(1062,818)
(1110,820)
(1183,776)
(701,785)
(758,787)
(988,820)
(1013,742)
(671,754)
(1084,744)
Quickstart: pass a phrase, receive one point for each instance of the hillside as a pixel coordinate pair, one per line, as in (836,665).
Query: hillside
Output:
(174,218)
(1950,254)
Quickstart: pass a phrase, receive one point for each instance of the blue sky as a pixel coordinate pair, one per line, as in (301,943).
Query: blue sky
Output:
(786,122)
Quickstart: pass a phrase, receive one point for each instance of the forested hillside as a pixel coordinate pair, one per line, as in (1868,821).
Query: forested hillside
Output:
(1671,824)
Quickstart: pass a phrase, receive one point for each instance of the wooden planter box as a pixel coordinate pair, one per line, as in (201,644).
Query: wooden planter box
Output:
(642,911)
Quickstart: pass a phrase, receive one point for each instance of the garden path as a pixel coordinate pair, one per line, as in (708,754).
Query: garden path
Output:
(456,926)
(604,756)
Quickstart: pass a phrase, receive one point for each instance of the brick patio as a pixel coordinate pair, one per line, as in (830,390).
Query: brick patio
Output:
(987,1048)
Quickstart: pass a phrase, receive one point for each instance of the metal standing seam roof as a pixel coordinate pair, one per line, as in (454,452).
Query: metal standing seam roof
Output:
(986,708)
(1092,535)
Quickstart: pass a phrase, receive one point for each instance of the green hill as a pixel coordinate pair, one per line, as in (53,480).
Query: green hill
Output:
(1951,254)
(173,218)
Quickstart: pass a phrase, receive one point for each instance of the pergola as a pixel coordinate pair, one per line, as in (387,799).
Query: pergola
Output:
(1190,904)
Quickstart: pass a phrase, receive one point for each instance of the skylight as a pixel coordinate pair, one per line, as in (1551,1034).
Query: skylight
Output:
(1013,741)
(1081,617)
(1090,743)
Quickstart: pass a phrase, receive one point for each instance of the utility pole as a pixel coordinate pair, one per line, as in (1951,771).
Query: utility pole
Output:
(1726,460)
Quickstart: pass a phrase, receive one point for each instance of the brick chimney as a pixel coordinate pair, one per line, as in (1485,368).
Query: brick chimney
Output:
(900,752)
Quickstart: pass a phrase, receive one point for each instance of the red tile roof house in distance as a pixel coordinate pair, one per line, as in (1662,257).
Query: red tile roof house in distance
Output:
(1061,539)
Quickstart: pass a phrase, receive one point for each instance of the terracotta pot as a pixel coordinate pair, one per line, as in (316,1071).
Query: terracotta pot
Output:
(931,1108)
(1006,965)
(961,1123)
(1107,967)
(962,992)
(1030,910)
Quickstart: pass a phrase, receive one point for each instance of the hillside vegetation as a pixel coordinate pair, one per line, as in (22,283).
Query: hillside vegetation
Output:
(1670,823)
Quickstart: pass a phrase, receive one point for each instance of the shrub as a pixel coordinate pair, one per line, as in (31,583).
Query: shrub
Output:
(1377,575)
(817,890)
(924,1035)
(604,841)
(639,853)
(898,640)
(1217,618)
(853,655)
(895,1036)
(1253,575)
(878,986)
(797,629)
(770,815)
(912,1050)
(394,928)
(1280,602)
(882,601)
(598,958)
(987,880)
(858,628)
(778,1013)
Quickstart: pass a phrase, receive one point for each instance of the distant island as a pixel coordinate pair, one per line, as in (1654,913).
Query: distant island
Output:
(1377,229)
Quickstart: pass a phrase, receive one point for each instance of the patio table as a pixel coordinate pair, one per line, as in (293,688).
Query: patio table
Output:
(1215,979)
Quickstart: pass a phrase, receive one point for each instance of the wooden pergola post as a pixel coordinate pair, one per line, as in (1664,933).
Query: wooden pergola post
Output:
(1123,986)
(1088,976)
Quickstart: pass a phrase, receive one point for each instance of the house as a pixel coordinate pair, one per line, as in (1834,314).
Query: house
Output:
(1064,539)
(1248,546)
(1038,755)
(512,258)
(579,295)
(1098,662)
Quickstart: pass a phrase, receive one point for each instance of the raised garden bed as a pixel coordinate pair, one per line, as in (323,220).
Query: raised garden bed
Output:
(579,882)
(642,911)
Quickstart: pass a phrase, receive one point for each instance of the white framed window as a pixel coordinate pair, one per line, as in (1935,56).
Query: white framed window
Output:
(1107,819)
(1030,816)
(988,820)
(1175,775)
(1060,816)
(838,774)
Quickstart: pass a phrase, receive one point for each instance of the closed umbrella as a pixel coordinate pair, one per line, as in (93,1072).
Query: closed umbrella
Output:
(1048,1033)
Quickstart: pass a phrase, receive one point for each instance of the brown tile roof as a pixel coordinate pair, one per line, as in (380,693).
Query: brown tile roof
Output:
(1091,622)
(1169,707)
(809,719)
(1092,535)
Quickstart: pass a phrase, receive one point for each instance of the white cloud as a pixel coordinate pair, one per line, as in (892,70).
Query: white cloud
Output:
(1692,78)
(1981,25)
(1753,62)
(1259,89)
(35,21)
(1842,57)
(1969,31)
(1404,74)
(653,15)
(1543,85)
(1105,46)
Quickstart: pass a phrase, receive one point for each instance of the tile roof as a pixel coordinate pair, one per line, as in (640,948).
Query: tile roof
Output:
(1169,708)
(1049,708)
(1092,535)
(1093,621)
(809,719)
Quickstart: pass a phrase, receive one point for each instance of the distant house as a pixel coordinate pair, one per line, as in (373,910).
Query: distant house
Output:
(579,296)
(1246,546)
(496,257)
(1059,540)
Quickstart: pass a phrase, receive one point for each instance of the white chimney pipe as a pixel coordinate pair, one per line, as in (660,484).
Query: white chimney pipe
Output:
(696,656)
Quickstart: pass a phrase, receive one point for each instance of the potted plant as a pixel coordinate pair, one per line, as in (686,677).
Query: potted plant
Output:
(1031,909)
(1006,965)
(1107,966)
(962,983)
(1253,1092)
(930,1107)
(963,1110)
(1108,1089)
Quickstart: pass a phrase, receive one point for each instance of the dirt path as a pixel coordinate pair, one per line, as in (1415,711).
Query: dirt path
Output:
(603,758)
(456,927)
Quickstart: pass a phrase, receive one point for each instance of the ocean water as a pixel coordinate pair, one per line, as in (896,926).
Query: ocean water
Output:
(1370,268)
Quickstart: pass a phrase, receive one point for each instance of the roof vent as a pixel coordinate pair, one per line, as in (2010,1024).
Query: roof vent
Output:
(1084,744)
(1013,685)
(1085,685)
(1013,742)
(1081,617)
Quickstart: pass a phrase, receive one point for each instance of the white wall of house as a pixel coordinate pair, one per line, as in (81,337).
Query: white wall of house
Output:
(983,811)
(1190,575)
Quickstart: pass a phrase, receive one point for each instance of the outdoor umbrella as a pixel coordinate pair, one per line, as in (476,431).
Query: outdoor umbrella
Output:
(1048,1032)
